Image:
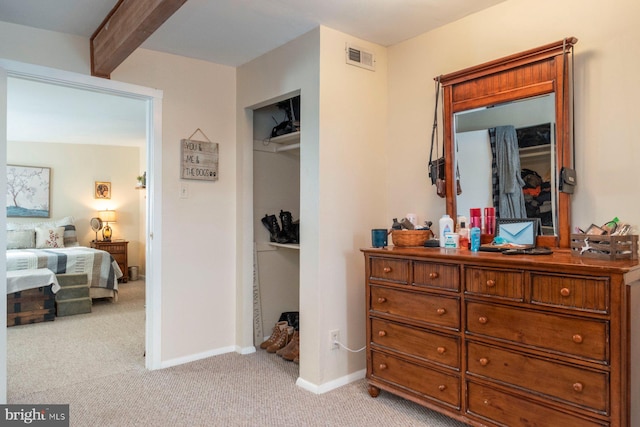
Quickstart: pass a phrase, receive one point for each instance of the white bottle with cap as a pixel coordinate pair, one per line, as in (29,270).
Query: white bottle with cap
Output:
(445,226)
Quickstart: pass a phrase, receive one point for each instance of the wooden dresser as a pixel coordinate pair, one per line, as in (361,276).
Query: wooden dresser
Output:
(498,340)
(118,250)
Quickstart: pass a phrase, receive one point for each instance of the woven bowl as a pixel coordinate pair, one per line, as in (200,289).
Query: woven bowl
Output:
(405,238)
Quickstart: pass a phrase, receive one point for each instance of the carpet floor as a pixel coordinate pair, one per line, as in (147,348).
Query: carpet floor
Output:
(94,362)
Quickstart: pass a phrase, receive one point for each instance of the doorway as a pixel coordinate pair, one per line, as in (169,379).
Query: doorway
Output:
(152,100)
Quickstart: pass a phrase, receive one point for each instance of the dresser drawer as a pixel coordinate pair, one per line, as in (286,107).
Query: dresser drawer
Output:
(499,283)
(435,275)
(574,336)
(420,380)
(581,387)
(388,269)
(579,293)
(508,410)
(416,342)
(422,307)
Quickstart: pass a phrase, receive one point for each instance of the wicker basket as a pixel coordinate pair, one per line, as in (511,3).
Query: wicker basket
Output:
(410,237)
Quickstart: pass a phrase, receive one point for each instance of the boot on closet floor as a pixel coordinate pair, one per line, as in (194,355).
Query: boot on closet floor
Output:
(277,331)
(284,338)
(294,349)
(287,349)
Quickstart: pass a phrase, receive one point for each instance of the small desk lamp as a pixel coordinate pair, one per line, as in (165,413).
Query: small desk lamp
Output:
(107,217)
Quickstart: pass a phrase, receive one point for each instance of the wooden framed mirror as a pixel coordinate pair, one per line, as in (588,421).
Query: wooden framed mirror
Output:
(527,81)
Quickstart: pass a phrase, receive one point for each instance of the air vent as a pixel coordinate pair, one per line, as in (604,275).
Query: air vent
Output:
(360,58)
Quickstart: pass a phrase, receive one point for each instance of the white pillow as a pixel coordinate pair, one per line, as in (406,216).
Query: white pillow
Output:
(49,237)
(21,239)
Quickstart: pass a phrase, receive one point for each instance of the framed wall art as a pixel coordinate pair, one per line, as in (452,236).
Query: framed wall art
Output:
(28,191)
(102,190)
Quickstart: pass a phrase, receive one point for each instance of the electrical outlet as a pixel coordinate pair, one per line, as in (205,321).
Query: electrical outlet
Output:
(334,338)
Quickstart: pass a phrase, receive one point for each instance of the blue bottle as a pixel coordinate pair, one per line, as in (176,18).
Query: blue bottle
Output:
(474,239)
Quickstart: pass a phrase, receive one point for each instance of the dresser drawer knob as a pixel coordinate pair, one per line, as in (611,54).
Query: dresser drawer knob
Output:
(441,311)
(441,350)
(577,338)
(383,366)
(578,387)
(491,283)
(387,269)
(382,299)
(565,292)
(442,387)
(433,275)
(482,320)
(382,333)
(484,361)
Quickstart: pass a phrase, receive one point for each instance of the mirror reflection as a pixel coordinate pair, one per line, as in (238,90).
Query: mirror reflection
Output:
(506,159)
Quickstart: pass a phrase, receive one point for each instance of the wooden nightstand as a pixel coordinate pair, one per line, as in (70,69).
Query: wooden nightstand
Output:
(118,250)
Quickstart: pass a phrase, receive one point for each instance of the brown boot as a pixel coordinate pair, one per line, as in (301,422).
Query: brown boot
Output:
(294,349)
(288,347)
(274,335)
(284,338)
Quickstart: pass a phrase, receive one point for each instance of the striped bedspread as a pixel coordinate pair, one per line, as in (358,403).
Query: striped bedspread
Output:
(101,269)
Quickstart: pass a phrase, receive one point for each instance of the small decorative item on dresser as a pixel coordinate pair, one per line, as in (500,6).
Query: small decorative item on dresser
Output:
(410,237)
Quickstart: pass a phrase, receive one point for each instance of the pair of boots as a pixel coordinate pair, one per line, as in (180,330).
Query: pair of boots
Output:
(284,341)
(289,233)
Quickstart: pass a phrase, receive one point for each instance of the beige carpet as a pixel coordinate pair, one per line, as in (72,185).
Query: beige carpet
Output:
(94,362)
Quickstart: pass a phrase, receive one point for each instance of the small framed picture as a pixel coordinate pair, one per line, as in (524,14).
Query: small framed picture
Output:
(102,190)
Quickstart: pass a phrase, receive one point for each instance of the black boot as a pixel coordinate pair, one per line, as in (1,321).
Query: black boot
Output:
(288,231)
(275,234)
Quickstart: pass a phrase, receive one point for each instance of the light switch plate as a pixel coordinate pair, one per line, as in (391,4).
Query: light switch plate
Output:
(184,190)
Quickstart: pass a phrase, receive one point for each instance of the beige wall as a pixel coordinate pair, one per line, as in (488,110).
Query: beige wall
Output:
(74,170)
(606,60)
(198,277)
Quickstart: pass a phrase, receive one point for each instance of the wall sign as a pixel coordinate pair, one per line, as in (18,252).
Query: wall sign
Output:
(199,160)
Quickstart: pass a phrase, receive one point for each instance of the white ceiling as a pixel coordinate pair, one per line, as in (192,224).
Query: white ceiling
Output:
(233,32)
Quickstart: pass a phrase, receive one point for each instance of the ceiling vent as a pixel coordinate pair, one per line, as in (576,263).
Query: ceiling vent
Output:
(360,58)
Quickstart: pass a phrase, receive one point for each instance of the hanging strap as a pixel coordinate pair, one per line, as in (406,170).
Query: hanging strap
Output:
(434,130)
(199,130)
(573,102)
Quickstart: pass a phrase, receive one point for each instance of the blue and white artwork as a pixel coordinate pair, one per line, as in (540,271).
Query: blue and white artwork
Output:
(28,191)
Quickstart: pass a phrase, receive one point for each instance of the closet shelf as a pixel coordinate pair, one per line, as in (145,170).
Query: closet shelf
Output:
(295,246)
(536,150)
(277,144)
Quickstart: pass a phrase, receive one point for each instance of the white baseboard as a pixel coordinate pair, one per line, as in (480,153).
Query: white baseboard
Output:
(331,385)
(195,357)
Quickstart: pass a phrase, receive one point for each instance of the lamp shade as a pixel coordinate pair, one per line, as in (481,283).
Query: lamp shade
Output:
(107,216)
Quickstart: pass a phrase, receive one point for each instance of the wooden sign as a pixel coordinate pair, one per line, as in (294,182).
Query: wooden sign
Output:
(199,160)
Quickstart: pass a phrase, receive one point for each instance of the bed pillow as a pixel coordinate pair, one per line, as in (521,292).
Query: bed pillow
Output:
(70,235)
(21,239)
(49,237)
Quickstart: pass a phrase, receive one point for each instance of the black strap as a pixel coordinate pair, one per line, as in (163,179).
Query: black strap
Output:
(573,101)
(434,130)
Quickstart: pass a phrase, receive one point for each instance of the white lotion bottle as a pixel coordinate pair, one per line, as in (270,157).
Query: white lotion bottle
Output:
(445,226)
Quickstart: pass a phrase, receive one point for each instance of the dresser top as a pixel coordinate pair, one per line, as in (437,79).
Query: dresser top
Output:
(561,259)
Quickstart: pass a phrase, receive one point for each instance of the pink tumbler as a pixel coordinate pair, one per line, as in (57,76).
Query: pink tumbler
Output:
(476,218)
(489,220)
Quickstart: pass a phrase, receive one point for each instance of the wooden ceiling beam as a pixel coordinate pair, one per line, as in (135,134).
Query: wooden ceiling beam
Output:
(127,26)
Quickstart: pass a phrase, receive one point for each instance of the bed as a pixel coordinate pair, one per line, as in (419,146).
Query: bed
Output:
(54,246)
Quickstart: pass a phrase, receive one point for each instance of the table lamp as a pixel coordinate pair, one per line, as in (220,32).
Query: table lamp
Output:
(107,216)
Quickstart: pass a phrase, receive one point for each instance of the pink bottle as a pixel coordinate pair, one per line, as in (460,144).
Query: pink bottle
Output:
(475,218)
(489,220)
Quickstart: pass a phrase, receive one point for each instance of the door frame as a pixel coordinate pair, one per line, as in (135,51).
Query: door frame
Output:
(153,254)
